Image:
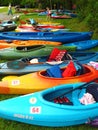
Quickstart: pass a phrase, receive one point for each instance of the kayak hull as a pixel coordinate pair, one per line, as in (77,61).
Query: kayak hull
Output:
(81,57)
(40,109)
(39,81)
(64,37)
(13,43)
(28,51)
(84,45)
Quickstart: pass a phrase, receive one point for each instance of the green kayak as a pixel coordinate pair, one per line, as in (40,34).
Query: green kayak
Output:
(34,50)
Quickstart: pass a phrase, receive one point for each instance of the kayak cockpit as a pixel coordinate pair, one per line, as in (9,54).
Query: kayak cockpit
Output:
(60,96)
(85,70)
(73,94)
(29,48)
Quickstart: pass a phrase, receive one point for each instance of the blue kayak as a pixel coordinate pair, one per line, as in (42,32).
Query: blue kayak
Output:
(64,37)
(54,107)
(23,65)
(84,45)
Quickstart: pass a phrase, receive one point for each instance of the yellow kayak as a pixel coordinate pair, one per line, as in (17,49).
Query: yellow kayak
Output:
(37,81)
(50,23)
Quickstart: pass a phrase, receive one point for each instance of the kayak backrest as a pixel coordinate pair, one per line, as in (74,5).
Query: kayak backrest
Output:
(75,97)
(80,68)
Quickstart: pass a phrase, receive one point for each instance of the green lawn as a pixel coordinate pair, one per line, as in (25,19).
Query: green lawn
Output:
(3,9)
(74,25)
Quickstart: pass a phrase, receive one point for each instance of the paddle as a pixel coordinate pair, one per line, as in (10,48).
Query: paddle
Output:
(79,87)
(21,64)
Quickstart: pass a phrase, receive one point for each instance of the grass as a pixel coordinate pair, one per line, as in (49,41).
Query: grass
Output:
(74,25)
(4,9)
(11,125)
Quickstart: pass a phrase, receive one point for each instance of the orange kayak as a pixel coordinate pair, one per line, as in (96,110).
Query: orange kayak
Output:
(37,81)
(5,44)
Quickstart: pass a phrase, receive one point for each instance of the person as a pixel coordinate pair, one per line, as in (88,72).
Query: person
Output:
(48,13)
(10,10)
(61,10)
(74,8)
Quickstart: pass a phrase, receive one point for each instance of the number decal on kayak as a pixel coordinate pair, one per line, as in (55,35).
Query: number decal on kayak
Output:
(15,82)
(35,110)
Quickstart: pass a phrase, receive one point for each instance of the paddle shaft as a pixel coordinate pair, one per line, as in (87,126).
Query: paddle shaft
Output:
(21,64)
(79,87)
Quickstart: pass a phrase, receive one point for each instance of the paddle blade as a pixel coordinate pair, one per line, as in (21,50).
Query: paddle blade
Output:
(16,64)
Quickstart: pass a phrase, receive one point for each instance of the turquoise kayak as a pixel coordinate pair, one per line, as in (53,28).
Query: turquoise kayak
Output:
(23,65)
(54,107)
(84,45)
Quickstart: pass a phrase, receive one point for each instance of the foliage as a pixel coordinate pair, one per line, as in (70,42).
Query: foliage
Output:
(88,12)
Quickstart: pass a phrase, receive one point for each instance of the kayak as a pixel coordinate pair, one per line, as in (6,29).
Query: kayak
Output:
(13,43)
(84,45)
(61,17)
(32,64)
(7,26)
(64,37)
(7,23)
(54,107)
(48,23)
(52,26)
(28,51)
(30,28)
(41,80)
(24,66)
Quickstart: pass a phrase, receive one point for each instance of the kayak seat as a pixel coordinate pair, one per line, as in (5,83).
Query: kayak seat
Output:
(80,68)
(75,97)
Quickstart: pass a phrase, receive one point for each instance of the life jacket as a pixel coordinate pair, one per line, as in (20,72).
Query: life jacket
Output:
(57,55)
(70,70)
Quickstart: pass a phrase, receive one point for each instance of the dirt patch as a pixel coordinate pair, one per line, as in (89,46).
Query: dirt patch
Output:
(4,16)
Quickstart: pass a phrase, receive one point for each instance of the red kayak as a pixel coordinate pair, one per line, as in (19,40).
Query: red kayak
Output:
(51,26)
